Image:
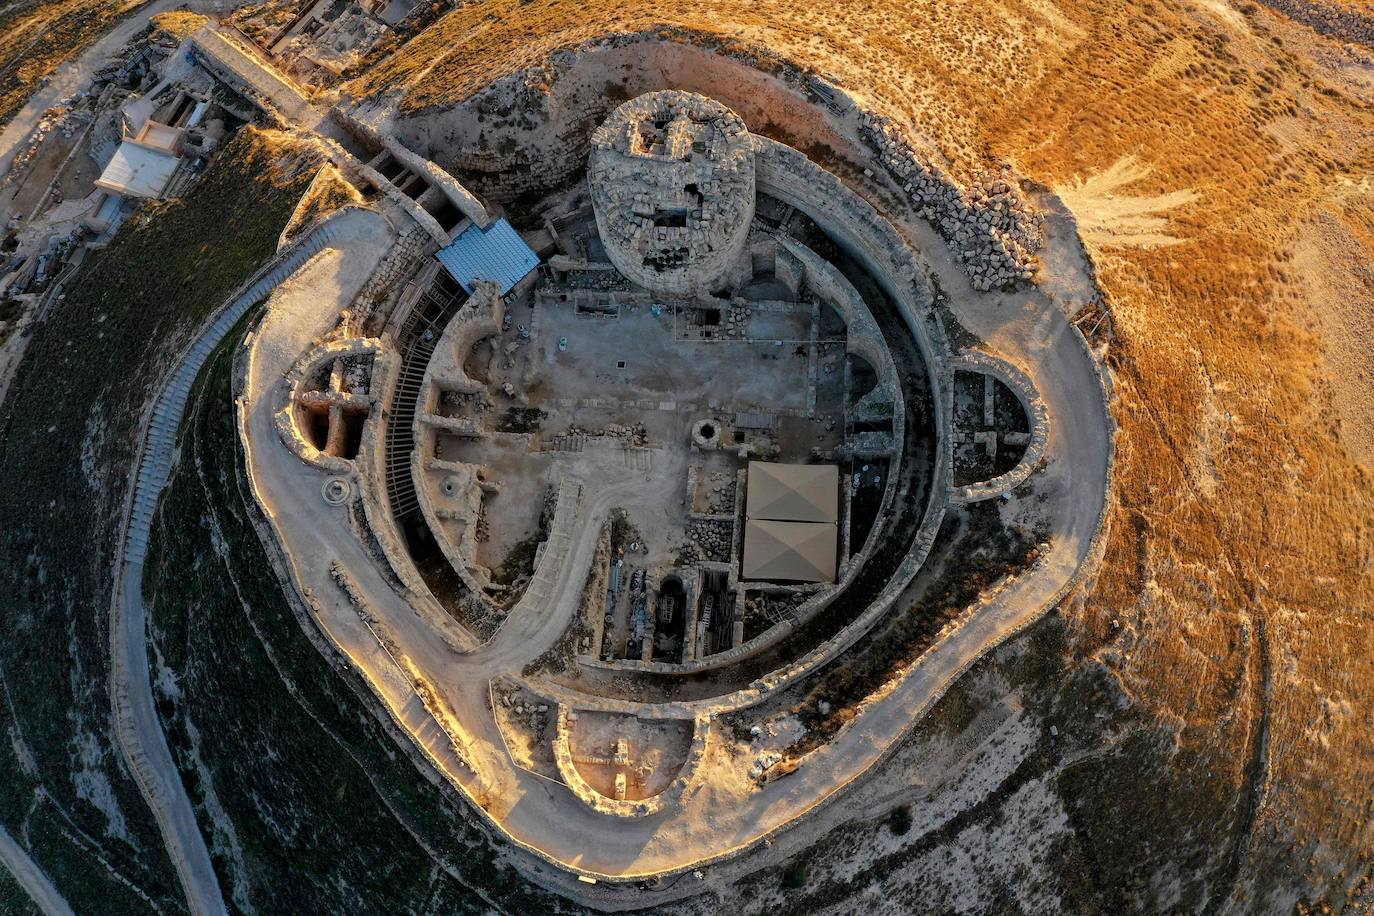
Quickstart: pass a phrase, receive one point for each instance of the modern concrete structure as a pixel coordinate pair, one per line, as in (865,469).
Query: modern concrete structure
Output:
(138,170)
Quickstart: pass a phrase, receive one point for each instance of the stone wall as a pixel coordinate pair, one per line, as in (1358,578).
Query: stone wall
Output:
(790,176)
(1036,414)
(478,319)
(611,807)
(674,203)
(289,389)
(852,223)
(370,465)
(466,202)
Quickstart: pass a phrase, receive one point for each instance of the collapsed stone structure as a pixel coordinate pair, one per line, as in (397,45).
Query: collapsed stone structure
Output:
(672,182)
(991,227)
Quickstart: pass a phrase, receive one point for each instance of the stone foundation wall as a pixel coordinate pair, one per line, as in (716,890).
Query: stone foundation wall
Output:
(479,318)
(287,390)
(611,807)
(704,148)
(790,176)
(1036,413)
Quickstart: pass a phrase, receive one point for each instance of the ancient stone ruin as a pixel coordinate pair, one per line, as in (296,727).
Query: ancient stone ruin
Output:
(672,182)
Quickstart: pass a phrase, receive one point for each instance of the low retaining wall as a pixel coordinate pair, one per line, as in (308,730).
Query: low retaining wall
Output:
(1036,413)
(284,398)
(643,807)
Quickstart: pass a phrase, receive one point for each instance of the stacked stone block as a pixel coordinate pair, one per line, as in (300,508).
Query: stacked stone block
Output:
(990,227)
(672,183)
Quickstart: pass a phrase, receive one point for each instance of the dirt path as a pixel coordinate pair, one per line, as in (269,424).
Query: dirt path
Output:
(31,877)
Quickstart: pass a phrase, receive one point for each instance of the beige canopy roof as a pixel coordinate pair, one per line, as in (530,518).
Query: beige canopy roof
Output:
(789,551)
(793,492)
(791,534)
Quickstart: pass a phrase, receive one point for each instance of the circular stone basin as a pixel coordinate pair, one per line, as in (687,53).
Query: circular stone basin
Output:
(336,491)
(706,433)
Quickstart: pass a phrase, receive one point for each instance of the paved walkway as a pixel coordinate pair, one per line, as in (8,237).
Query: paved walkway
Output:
(31,877)
(137,726)
(245,66)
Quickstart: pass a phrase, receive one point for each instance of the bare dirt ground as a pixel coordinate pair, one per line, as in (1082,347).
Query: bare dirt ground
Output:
(1107,217)
(1331,256)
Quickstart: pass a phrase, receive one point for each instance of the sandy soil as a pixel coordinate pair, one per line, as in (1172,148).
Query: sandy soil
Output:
(1108,218)
(1332,259)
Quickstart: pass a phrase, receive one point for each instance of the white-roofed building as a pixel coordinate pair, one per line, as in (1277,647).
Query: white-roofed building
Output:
(138,170)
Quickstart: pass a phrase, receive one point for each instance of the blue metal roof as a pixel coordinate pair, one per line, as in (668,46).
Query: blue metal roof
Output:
(496,253)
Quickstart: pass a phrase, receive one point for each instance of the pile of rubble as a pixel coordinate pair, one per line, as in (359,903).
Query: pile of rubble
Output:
(735,320)
(991,227)
(52,119)
(712,540)
(720,495)
(606,280)
(345,584)
(534,715)
(1347,23)
(635,434)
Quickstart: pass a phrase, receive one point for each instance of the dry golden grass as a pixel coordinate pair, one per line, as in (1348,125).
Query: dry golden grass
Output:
(36,37)
(328,191)
(177,25)
(1241,552)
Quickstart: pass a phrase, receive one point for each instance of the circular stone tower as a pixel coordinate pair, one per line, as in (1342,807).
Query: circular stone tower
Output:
(672,184)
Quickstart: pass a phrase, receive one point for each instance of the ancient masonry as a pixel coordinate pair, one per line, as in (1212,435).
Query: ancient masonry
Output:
(672,183)
(543,544)
(991,227)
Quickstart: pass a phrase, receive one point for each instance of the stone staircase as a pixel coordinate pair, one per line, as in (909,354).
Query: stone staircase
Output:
(567,443)
(418,337)
(158,449)
(137,726)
